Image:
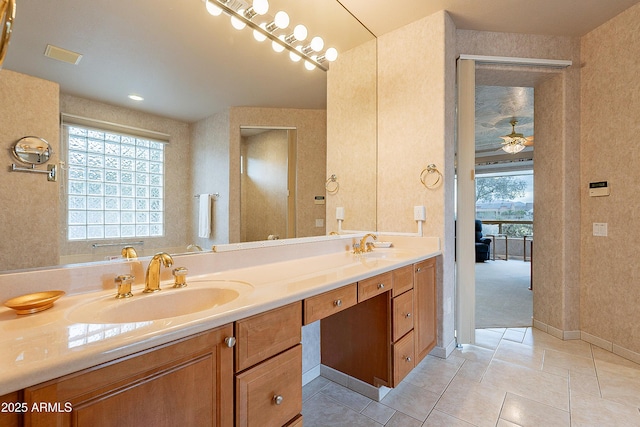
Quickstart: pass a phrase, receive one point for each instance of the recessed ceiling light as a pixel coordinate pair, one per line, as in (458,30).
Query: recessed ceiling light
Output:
(64,55)
(136,97)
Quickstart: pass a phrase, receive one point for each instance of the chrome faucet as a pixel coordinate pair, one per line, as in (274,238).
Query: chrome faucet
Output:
(152,279)
(363,247)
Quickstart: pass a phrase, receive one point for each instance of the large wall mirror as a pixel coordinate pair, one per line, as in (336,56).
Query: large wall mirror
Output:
(192,69)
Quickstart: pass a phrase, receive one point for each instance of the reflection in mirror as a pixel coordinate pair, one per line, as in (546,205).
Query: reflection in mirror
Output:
(267,183)
(32,150)
(189,95)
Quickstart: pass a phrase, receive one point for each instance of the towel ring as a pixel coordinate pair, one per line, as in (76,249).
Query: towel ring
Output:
(430,169)
(332,184)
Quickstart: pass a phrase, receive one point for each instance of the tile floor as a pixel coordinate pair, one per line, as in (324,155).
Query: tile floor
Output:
(511,377)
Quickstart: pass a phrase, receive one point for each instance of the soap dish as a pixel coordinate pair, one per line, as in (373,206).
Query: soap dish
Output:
(33,303)
(382,244)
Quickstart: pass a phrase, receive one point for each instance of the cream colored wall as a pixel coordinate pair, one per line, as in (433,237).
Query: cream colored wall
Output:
(351,138)
(610,272)
(210,174)
(264,185)
(179,199)
(28,107)
(311,128)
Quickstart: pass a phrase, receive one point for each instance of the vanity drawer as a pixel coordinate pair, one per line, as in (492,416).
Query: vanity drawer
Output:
(402,314)
(328,303)
(402,279)
(403,358)
(270,394)
(373,286)
(267,334)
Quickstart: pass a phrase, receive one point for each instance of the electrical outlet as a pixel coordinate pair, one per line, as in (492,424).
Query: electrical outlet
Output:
(600,229)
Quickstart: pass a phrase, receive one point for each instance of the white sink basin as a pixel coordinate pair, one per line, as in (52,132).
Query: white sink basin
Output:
(169,302)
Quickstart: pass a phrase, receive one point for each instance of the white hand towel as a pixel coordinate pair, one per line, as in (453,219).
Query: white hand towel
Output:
(204,222)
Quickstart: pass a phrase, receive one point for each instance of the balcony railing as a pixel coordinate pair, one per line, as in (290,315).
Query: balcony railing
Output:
(505,245)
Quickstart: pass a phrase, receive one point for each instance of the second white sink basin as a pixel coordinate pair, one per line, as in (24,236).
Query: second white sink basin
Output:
(167,303)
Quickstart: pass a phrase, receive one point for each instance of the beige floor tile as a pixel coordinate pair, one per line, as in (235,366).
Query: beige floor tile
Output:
(505,423)
(594,411)
(572,363)
(474,353)
(473,371)
(514,334)
(402,420)
(378,412)
(488,338)
(322,411)
(600,355)
(620,387)
(542,340)
(314,387)
(440,419)
(471,402)
(411,400)
(345,396)
(435,374)
(537,385)
(519,354)
(585,384)
(526,412)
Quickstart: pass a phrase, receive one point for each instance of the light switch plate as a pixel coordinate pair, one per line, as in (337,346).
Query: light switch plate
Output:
(600,229)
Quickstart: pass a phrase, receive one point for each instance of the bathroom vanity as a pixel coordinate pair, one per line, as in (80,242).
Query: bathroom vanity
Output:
(239,363)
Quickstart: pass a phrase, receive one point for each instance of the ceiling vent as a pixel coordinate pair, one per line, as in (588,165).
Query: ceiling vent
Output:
(63,55)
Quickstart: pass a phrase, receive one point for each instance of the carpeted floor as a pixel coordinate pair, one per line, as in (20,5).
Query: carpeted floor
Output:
(503,298)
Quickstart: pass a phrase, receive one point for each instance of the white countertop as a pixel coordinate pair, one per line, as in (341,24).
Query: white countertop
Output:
(46,345)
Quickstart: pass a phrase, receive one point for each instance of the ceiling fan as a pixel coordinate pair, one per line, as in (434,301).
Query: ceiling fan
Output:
(515,142)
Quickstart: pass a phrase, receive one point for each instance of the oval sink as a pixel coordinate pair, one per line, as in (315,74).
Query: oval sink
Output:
(167,303)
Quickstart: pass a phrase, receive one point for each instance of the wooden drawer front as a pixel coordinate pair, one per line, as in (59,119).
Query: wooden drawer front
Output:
(373,286)
(403,358)
(328,303)
(260,388)
(264,335)
(402,314)
(402,279)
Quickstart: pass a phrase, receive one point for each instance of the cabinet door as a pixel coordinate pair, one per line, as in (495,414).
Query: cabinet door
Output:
(270,393)
(267,334)
(376,285)
(403,358)
(12,409)
(424,288)
(184,383)
(402,280)
(328,303)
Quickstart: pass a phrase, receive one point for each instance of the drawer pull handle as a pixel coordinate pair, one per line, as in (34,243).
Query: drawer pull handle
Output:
(408,315)
(230,341)
(277,399)
(407,359)
(380,285)
(418,270)
(337,302)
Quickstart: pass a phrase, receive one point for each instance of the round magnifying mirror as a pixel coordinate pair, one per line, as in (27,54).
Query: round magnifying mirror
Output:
(32,150)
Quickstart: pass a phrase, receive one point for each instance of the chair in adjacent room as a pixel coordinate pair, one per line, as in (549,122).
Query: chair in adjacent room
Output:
(482,244)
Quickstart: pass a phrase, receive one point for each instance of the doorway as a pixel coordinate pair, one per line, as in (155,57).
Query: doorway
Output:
(267,183)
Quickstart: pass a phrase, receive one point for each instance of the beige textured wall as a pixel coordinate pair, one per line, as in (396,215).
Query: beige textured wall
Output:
(178,192)
(264,185)
(556,166)
(210,174)
(311,128)
(29,203)
(351,138)
(610,272)
(416,110)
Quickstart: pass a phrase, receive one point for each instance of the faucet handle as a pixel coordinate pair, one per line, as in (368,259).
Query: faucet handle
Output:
(124,282)
(180,274)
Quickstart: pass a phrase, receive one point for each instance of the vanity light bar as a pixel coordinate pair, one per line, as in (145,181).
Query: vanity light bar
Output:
(319,61)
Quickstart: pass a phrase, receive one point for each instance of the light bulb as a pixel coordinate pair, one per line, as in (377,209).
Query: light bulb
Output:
(281,20)
(300,32)
(236,22)
(258,35)
(317,43)
(309,66)
(261,6)
(331,54)
(277,46)
(294,56)
(213,9)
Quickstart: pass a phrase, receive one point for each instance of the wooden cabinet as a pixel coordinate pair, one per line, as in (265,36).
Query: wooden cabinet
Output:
(328,303)
(424,288)
(13,407)
(270,394)
(269,367)
(376,285)
(402,279)
(185,382)
(402,314)
(403,357)
(267,334)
